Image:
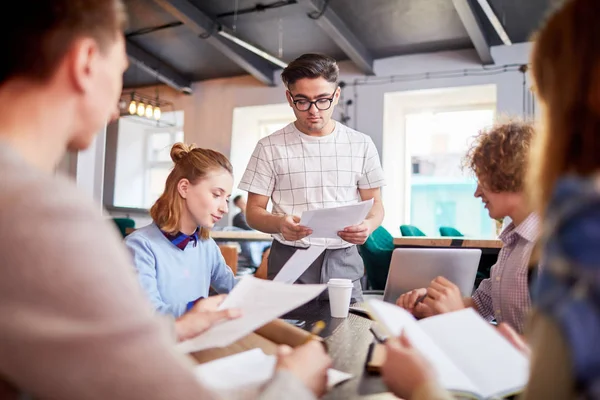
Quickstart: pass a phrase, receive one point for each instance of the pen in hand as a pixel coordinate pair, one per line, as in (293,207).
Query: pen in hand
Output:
(420,300)
(314,332)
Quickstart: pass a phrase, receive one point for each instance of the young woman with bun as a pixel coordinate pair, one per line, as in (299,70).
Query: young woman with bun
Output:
(176,260)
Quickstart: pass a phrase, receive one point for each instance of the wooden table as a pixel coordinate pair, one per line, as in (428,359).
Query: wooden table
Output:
(240,236)
(405,241)
(348,342)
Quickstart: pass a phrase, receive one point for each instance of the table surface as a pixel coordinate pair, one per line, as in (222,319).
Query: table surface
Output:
(348,342)
(240,235)
(447,242)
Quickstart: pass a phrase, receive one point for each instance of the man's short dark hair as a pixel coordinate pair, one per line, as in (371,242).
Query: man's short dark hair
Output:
(311,66)
(38,34)
(237,198)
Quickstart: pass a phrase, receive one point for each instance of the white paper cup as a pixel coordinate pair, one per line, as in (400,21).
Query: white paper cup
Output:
(340,293)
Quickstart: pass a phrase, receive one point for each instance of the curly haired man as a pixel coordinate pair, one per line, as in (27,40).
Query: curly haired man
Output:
(498,158)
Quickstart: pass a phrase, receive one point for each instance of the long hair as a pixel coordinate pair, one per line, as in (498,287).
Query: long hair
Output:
(566,71)
(193,164)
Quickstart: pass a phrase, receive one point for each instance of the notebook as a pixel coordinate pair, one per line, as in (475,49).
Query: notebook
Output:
(468,354)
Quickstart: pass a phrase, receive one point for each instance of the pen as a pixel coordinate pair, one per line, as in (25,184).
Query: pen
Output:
(314,332)
(420,299)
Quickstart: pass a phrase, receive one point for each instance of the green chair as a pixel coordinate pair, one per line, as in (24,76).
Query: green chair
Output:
(376,253)
(410,230)
(123,224)
(450,231)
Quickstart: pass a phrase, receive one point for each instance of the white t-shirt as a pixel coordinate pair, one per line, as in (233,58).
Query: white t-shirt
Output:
(300,172)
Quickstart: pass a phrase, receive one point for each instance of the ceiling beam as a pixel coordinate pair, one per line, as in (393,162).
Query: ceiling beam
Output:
(156,67)
(475,30)
(493,18)
(206,27)
(339,32)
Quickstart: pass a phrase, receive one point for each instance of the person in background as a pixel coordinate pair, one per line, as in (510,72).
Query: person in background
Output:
(75,324)
(565,189)
(176,260)
(239,220)
(498,158)
(252,250)
(314,163)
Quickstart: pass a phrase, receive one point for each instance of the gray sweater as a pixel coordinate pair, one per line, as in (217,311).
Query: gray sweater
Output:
(74,323)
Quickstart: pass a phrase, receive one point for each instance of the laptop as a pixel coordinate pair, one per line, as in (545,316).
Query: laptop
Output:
(413,268)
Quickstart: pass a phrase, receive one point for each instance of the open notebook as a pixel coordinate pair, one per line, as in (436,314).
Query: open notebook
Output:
(241,376)
(470,357)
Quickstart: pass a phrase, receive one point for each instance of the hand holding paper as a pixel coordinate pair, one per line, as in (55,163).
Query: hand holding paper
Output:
(327,222)
(231,376)
(260,302)
(292,229)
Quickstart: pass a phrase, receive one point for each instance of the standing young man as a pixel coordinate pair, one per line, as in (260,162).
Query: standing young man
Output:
(75,324)
(314,163)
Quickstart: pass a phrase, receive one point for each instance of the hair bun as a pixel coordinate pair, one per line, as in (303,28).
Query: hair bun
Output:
(180,150)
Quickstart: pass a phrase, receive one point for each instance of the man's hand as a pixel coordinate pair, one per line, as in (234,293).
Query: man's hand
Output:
(404,368)
(309,363)
(443,296)
(290,228)
(356,234)
(408,301)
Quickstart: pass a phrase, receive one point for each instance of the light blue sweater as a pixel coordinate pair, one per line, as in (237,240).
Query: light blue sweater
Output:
(172,277)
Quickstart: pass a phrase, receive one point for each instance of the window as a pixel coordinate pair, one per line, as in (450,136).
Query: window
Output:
(143,160)
(441,193)
(250,124)
(426,136)
(159,163)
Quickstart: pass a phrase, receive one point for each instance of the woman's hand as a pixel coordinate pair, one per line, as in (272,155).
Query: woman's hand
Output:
(404,369)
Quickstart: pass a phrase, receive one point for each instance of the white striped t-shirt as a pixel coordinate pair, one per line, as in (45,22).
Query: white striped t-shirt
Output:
(300,172)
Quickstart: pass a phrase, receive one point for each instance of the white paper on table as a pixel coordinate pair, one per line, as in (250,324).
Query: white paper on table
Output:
(260,302)
(241,376)
(298,263)
(327,222)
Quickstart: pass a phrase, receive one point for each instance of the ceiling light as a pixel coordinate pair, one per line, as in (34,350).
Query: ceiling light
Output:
(253,48)
(148,111)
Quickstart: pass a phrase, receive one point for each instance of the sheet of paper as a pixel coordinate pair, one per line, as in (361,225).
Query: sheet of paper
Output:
(241,375)
(260,301)
(327,222)
(298,263)
(476,347)
(395,320)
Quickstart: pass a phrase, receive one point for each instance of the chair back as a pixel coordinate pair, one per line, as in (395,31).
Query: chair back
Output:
(261,271)
(124,225)
(376,253)
(411,230)
(450,231)
(230,254)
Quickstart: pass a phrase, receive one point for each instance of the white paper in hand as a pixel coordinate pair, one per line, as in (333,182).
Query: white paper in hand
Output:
(327,222)
(241,376)
(298,263)
(261,302)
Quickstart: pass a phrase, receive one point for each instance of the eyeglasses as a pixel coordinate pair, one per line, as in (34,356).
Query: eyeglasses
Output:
(321,104)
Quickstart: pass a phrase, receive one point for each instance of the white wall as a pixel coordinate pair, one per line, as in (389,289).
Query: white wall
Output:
(88,168)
